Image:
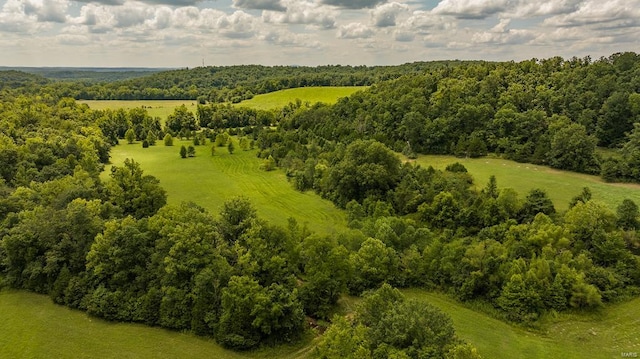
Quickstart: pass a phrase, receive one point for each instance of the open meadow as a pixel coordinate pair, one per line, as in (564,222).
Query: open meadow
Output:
(278,99)
(211,180)
(34,327)
(561,186)
(155,108)
(269,101)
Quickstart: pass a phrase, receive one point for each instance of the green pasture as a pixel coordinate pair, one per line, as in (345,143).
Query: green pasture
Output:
(211,180)
(33,327)
(606,334)
(561,186)
(155,108)
(312,95)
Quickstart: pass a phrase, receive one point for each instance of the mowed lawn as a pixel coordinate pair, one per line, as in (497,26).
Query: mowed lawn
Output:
(606,334)
(211,180)
(33,327)
(155,108)
(278,99)
(561,186)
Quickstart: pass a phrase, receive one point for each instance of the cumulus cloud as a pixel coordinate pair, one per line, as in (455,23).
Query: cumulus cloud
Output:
(47,10)
(500,34)
(238,25)
(471,9)
(623,12)
(385,15)
(353,4)
(175,3)
(289,39)
(273,5)
(526,8)
(355,30)
(302,12)
(424,22)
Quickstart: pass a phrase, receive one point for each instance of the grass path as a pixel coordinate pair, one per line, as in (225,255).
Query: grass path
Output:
(211,180)
(561,186)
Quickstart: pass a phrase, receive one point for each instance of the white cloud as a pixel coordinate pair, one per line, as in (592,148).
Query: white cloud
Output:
(273,5)
(471,9)
(385,15)
(289,39)
(355,30)
(622,12)
(303,12)
(238,25)
(353,4)
(500,34)
(47,10)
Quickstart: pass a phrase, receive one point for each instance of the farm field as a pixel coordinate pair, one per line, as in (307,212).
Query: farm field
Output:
(211,180)
(155,108)
(33,327)
(312,95)
(561,186)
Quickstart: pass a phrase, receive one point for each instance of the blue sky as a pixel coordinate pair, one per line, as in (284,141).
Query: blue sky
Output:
(184,33)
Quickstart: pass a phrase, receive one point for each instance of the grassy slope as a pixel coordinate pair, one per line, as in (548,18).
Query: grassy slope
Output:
(210,180)
(33,327)
(604,335)
(306,94)
(561,186)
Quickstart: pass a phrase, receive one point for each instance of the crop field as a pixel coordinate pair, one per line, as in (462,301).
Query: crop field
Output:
(211,180)
(33,327)
(155,108)
(312,95)
(561,186)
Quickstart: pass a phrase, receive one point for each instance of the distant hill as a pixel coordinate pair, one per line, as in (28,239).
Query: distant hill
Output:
(88,74)
(15,79)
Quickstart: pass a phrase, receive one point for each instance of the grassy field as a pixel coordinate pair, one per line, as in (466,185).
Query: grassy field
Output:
(155,108)
(211,180)
(561,186)
(312,95)
(33,327)
(277,99)
(607,334)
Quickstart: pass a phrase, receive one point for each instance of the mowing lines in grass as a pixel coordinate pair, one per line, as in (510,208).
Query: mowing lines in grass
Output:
(211,180)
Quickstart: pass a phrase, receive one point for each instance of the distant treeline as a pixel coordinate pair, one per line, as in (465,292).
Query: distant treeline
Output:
(237,83)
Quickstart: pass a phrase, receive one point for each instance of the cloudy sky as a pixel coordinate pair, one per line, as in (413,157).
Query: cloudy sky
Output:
(186,33)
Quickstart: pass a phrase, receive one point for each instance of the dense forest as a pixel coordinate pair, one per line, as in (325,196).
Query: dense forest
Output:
(115,248)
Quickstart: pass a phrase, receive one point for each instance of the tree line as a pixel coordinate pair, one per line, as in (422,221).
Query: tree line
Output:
(554,112)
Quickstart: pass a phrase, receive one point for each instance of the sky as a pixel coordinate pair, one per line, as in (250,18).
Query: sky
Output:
(190,33)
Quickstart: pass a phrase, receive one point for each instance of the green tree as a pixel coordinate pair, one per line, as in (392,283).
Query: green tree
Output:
(191,151)
(168,140)
(628,215)
(130,136)
(536,202)
(183,151)
(231,147)
(368,168)
(134,193)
